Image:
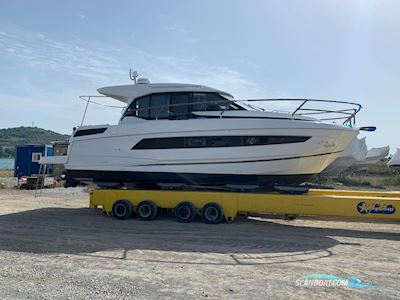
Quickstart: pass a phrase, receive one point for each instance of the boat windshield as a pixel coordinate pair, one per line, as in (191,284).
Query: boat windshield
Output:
(178,105)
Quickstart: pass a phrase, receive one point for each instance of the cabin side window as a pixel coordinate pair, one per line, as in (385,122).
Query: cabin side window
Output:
(177,106)
(142,106)
(138,108)
(159,106)
(216,141)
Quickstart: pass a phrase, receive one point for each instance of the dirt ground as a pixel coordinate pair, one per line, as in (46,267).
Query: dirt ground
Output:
(54,247)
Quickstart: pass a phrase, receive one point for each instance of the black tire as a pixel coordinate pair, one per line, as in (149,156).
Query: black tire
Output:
(147,210)
(212,213)
(185,212)
(122,209)
(70,182)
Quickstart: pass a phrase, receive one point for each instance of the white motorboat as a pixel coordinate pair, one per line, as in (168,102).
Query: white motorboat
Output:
(374,155)
(193,134)
(394,161)
(355,152)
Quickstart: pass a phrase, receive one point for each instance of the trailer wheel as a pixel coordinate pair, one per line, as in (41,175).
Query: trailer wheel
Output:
(212,213)
(146,210)
(185,212)
(122,209)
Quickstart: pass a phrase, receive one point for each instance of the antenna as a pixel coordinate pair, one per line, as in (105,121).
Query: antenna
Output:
(133,75)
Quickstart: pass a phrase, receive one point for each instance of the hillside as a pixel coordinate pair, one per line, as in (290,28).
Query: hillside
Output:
(10,137)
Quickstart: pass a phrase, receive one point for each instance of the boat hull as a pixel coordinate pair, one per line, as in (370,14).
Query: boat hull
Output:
(112,156)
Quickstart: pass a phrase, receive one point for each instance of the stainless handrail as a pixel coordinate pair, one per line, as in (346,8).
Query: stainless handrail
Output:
(348,120)
(88,100)
(348,114)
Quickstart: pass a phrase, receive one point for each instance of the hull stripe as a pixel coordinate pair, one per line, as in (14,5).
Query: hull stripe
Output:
(237,162)
(75,176)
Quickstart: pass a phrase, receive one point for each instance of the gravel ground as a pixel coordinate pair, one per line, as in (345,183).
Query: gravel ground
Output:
(54,247)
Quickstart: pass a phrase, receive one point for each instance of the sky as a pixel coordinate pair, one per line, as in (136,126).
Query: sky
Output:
(51,52)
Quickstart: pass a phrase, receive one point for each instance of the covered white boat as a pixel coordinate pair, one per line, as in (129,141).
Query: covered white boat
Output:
(394,161)
(355,152)
(53,160)
(193,134)
(374,155)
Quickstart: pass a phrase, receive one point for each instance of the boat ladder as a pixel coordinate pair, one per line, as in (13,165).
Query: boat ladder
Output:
(41,176)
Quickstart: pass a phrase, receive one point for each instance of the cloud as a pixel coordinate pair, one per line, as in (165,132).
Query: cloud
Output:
(73,66)
(105,64)
(38,51)
(175,28)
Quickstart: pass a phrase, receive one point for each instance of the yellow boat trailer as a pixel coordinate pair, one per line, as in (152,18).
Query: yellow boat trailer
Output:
(214,206)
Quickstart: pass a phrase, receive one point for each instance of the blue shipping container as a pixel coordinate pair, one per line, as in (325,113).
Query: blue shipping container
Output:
(27,159)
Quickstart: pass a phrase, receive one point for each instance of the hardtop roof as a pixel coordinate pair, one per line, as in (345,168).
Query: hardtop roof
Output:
(125,93)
